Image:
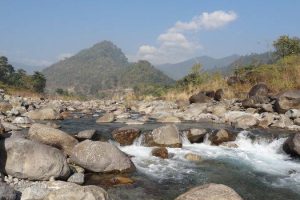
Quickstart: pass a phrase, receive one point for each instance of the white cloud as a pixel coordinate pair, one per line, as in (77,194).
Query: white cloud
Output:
(64,56)
(174,45)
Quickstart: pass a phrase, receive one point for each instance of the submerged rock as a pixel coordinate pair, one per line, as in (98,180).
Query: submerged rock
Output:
(86,134)
(27,159)
(165,136)
(99,156)
(126,135)
(292,145)
(160,152)
(210,191)
(51,136)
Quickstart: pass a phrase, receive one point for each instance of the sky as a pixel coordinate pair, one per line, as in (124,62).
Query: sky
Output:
(40,33)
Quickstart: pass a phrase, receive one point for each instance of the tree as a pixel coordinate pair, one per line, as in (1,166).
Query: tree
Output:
(196,69)
(286,46)
(38,82)
(5,69)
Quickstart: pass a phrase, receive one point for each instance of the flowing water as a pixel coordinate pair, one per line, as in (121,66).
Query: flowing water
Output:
(258,169)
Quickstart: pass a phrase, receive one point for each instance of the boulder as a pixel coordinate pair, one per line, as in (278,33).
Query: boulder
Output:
(106,118)
(41,190)
(43,114)
(292,145)
(160,152)
(233,80)
(99,156)
(196,135)
(77,178)
(51,136)
(7,192)
(293,114)
(218,95)
(86,134)
(90,192)
(10,127)
(192,157)
(22,120)
(27,159)
(221,136)
(259,89)
(282,122)
(165,136)
(210,191)
(246,121)
(287,100)
(219,110)
(202,97)
(5,106)
(126,135)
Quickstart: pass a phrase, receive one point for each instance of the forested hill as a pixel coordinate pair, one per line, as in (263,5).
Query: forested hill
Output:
(101,67)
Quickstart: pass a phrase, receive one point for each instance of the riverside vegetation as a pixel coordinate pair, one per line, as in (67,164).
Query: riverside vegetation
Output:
(219,139)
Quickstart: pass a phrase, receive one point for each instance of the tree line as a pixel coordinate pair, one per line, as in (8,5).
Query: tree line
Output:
(19,78)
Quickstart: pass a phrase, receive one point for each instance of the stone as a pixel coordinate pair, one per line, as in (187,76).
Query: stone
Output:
(86,134)
(201,97)
(266,119)
(221,136)
(77,178)
(165,136)
(246,121)
(31,160)
(10,127)
(121,180)
(293,113)
(99,156)
(126,135)
(61,190)
(160,152)
(78,193)
(169,119)
(219,110)
(51,136)
(192,157)
(218,95)
(7,192)
(210,191)
(282,122)
(106,118)
(287,100)
(196,135)
(43,114)
(5,106)
(22,120)
(297,121)
(259,89)
(292,145)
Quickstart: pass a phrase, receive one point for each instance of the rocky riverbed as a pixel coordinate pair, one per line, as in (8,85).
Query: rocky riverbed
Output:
(207,148)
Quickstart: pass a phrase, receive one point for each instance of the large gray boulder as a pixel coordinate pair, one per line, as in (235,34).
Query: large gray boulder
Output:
(210,191)
(287,100)
(126,135)
(43,114)
(51,136)
(165,136)
(61,190)
(202,97)
(196,135)
(99,156)
(22,158)
(292,145)
(246,121)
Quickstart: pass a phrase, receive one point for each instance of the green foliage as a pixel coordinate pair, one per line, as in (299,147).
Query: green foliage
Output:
(286,46)
(150,90)
(19,78)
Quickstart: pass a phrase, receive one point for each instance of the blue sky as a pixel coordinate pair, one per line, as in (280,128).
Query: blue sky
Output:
(39,32)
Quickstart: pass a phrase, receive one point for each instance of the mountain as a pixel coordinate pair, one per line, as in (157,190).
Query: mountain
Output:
(28,68)
(101,67)
(179,70)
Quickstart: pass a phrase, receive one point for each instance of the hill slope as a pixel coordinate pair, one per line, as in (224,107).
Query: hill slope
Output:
(179,70)
(101,67)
